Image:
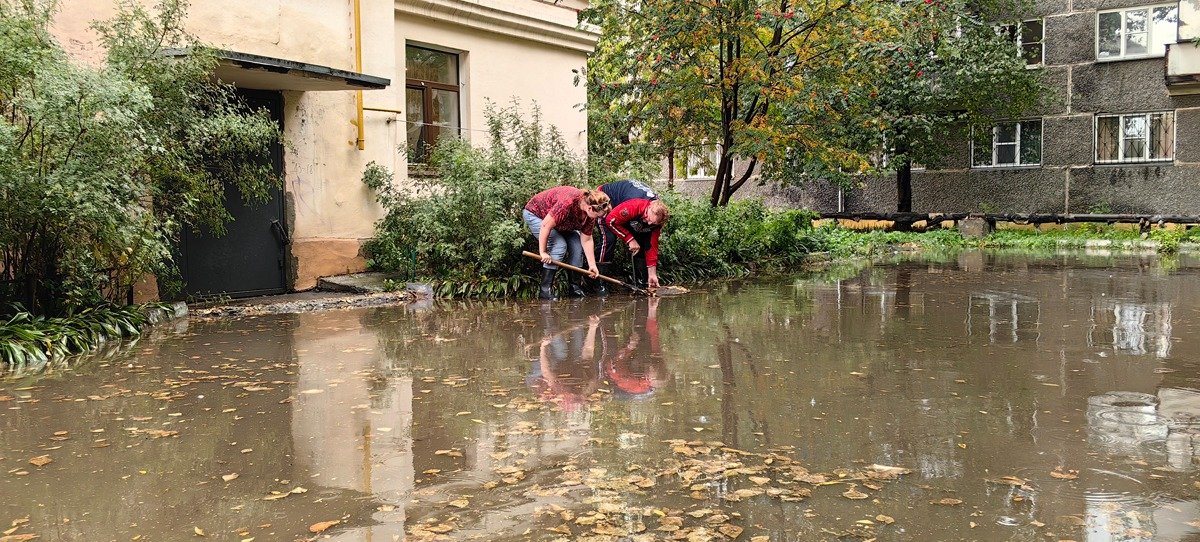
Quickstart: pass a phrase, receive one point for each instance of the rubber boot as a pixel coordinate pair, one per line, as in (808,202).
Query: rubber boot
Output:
(574,288)
(641,274)
(598,286)
(546,290)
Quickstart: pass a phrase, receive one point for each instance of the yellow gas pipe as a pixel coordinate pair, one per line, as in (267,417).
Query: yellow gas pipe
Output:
(361,142)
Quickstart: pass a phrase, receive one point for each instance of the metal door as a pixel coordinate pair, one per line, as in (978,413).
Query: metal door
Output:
(250,258)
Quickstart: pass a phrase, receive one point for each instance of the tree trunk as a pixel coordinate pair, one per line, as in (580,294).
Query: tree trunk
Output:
(670,170)
(904,187)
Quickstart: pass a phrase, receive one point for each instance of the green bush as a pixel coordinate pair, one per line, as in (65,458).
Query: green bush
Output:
(701,241)
(29,342)
(102,165)
(461,229)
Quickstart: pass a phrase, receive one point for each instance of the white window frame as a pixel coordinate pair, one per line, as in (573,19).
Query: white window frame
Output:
(1121,159)
(1016,143)
(1151,45)
(695,162)
(1018,33)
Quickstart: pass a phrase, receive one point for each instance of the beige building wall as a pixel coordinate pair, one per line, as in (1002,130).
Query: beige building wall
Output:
(510,48)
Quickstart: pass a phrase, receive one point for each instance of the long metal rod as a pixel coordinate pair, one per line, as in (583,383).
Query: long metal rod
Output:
(535,256)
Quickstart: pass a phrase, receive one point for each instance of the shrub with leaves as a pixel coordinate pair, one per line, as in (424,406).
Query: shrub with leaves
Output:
(28,342)
(100,166)
(701,241)
(460,228)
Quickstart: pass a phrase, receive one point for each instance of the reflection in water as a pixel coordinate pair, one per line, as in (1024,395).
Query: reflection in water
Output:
(1132,325)
(493,420)
(1006,316)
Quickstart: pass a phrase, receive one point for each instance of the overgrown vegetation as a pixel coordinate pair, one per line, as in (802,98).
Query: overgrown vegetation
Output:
(28,342)
(701,241)
(102,165)
(460,229)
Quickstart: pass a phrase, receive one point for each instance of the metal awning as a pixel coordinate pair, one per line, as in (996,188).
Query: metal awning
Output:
(267,73)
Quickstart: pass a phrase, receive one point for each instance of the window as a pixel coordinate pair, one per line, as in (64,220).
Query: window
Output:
(1136,32)
(1140,137)
(1029,37)
(702,163)
(1009,144)
(431,99)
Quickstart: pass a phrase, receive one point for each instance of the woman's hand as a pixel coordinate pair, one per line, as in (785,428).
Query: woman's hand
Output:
(593,272)
(634,247)
(545,257)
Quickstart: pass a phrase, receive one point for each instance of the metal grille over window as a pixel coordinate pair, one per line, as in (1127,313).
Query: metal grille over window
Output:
(1141,137)
(1136,32)
(431,99)
(1010,144)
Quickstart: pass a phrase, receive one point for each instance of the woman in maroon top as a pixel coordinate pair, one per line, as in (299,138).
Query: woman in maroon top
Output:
(562,219)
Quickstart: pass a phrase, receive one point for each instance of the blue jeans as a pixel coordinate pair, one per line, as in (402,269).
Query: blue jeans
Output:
(559,243)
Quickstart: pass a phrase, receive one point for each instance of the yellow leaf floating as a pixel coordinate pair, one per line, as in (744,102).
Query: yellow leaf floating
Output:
(1059,473)
(947,502)
(198,531)
(41,461)
(322,526)
(854,494)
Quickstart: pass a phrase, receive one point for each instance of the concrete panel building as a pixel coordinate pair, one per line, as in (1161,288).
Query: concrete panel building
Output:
(1119,130)
(351,82)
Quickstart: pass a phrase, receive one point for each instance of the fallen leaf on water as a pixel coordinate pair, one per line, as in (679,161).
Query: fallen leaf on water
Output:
(1064,475)
(230,477)
(947,502)
(886,520)
(41,461)
(1195,524)
(854,493)
(460,503)
(889,470)
(759,480)
(19,538)
(732,531)
(310,392)
(299,490)
(760,538)
(439,528)
(320,527)
(198,531)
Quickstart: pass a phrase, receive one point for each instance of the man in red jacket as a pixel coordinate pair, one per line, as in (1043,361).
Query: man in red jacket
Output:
(637,218)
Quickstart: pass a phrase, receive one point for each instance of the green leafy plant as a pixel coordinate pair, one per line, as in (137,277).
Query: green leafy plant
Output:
(102,165)
(460,229)
(29,342)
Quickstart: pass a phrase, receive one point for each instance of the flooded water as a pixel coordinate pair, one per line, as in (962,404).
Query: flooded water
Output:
(986,397)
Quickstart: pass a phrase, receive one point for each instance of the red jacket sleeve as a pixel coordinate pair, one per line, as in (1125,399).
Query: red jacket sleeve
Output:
(652,252)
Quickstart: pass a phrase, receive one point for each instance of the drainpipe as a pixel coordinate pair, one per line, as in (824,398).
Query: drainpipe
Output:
(361,142)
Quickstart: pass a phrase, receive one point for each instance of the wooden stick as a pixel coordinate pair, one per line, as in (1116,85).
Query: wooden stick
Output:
(537,257)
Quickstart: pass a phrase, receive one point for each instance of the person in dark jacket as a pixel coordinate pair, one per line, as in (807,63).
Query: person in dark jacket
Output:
(636,218)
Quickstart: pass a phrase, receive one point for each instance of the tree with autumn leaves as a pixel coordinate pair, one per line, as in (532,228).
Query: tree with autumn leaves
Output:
(796,89)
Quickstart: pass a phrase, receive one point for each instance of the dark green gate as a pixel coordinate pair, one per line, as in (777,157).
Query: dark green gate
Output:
(250,259)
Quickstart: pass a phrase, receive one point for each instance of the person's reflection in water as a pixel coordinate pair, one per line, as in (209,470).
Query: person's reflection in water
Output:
(565,370)
(638,369)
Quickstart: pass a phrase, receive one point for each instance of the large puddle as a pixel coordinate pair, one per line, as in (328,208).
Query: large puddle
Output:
(988,397)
